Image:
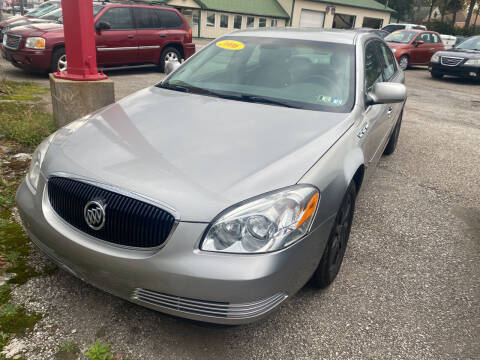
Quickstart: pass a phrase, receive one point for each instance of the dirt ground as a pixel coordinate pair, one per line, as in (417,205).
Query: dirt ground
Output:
(409,287)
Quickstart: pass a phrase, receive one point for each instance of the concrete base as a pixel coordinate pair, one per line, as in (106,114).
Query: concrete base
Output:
(73,99)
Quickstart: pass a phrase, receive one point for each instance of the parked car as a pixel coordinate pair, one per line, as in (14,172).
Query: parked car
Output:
(126,34)
(222,213)
(462,61)
(41,10)
(414,47)
(52,16)
(396,27)
(448,40)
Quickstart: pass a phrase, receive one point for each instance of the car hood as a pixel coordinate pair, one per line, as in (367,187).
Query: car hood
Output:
(37,29)
(397,45)
(196,154)
(12,20)
(470,54)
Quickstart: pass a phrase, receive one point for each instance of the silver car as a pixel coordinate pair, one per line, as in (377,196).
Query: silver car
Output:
(218,193)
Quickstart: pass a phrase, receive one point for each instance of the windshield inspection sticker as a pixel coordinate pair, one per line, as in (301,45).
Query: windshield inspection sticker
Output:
(329,100)
(230,45)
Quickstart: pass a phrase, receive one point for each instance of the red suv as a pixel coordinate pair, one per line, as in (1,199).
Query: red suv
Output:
(414,47)
(125,35)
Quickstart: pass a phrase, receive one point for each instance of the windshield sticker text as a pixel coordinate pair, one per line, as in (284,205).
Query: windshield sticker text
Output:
(230,45)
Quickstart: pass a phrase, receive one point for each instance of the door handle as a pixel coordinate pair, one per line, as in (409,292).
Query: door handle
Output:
(389,111)
(163,35)
(131,36)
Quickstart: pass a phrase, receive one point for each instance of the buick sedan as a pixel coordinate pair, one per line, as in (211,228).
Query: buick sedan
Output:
(218,193)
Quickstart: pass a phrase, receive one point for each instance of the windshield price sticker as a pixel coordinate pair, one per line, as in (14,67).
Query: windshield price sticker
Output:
(230,45)
(329,100)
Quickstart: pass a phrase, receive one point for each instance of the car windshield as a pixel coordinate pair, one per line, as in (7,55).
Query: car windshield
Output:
(470,44)
(44,9)
(53,15)
(300,74)
(402,37)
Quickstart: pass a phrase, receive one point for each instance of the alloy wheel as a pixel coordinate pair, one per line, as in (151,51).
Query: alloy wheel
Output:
(171,56)
(62,63)
(403,62)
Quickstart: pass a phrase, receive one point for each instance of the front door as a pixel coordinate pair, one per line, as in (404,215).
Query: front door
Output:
(117,45)
(422,53)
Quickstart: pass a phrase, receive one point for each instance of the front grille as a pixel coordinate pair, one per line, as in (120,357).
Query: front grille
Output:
(208,308)
(450,61)
(128,221)
(12,41)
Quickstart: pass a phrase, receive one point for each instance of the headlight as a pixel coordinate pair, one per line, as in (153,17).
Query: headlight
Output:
(435,58)
(269,223)
(35,43)
(37,159)
(473,62)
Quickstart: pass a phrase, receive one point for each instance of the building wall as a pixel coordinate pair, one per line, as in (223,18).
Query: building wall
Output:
(358,12)
(184,3)
(287,5)
(216,31)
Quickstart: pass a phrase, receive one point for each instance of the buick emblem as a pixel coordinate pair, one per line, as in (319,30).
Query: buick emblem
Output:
(94,214)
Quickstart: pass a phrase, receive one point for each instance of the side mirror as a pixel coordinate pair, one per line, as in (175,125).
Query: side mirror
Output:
(102,25)
(171,66)
(387,93)
(419,42)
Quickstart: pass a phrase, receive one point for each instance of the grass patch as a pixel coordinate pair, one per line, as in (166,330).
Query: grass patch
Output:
(21,91)
(68,351)
(99,351)
(25,123)
(16,320)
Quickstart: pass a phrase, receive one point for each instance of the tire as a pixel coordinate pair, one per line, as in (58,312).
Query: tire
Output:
(169,53)
(404,61)
(436,75)
(334,252)
(392,142)
(57,56)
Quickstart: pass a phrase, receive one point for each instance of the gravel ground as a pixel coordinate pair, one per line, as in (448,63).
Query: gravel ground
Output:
(409,287)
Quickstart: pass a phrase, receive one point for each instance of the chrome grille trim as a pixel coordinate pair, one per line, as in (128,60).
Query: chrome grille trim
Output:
(208,308)
(450,60)
(12,42)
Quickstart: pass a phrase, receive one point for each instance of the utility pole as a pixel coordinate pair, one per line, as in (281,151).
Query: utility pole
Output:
(22,11)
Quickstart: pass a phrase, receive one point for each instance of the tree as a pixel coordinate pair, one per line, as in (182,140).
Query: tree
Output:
(403,8)
(455,6)
(469,14)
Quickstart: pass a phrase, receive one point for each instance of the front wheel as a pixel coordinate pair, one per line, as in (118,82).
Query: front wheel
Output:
(337,242)
(169,54)
(392,143)
(403,62)
(59,60)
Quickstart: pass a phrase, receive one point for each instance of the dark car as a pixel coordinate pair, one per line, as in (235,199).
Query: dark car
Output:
(414,47)
(126,34)
(463,60)
(43,9)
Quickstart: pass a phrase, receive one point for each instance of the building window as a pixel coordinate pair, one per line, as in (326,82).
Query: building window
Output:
(250,21)
(274,23)
(342,21)
(210,18)
(262,22)
(237,22)
(224,21)
(372,23)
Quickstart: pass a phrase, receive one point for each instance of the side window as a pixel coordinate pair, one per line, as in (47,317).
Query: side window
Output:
(119,18)
(373,66)
(146,19)
(169,19)
(425,37)
(435,38)
(389,64)
(211,18)
(237,22)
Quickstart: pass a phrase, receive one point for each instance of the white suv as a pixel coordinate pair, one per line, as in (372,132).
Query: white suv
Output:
(395,27)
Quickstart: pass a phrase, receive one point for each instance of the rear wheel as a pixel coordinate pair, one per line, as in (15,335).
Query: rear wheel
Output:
(403,62)
(169,54)
(337,243)
(59,60)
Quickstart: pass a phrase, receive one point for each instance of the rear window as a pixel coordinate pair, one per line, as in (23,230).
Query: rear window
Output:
(392,28)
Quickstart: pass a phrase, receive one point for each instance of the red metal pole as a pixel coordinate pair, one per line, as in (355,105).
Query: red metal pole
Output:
(79,42)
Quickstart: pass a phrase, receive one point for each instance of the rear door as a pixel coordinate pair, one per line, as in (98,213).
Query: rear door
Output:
(376,117)
(118,45)
(150,36)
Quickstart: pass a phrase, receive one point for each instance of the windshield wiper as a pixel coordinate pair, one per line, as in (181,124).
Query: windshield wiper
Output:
(268,101)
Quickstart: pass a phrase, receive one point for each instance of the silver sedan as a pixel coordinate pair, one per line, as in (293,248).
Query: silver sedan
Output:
(218,193)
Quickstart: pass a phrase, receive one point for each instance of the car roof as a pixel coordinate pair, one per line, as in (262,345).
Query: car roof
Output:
(155,5)
(313,34)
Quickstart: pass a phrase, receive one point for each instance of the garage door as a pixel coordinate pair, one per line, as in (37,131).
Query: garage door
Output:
(310,18)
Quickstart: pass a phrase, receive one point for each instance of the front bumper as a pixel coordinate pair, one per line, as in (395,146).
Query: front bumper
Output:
(472,72)
(28,59)
(178,279)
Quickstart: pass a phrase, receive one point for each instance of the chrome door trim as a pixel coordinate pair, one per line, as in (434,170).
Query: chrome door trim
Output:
(149,47)
(116,48)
